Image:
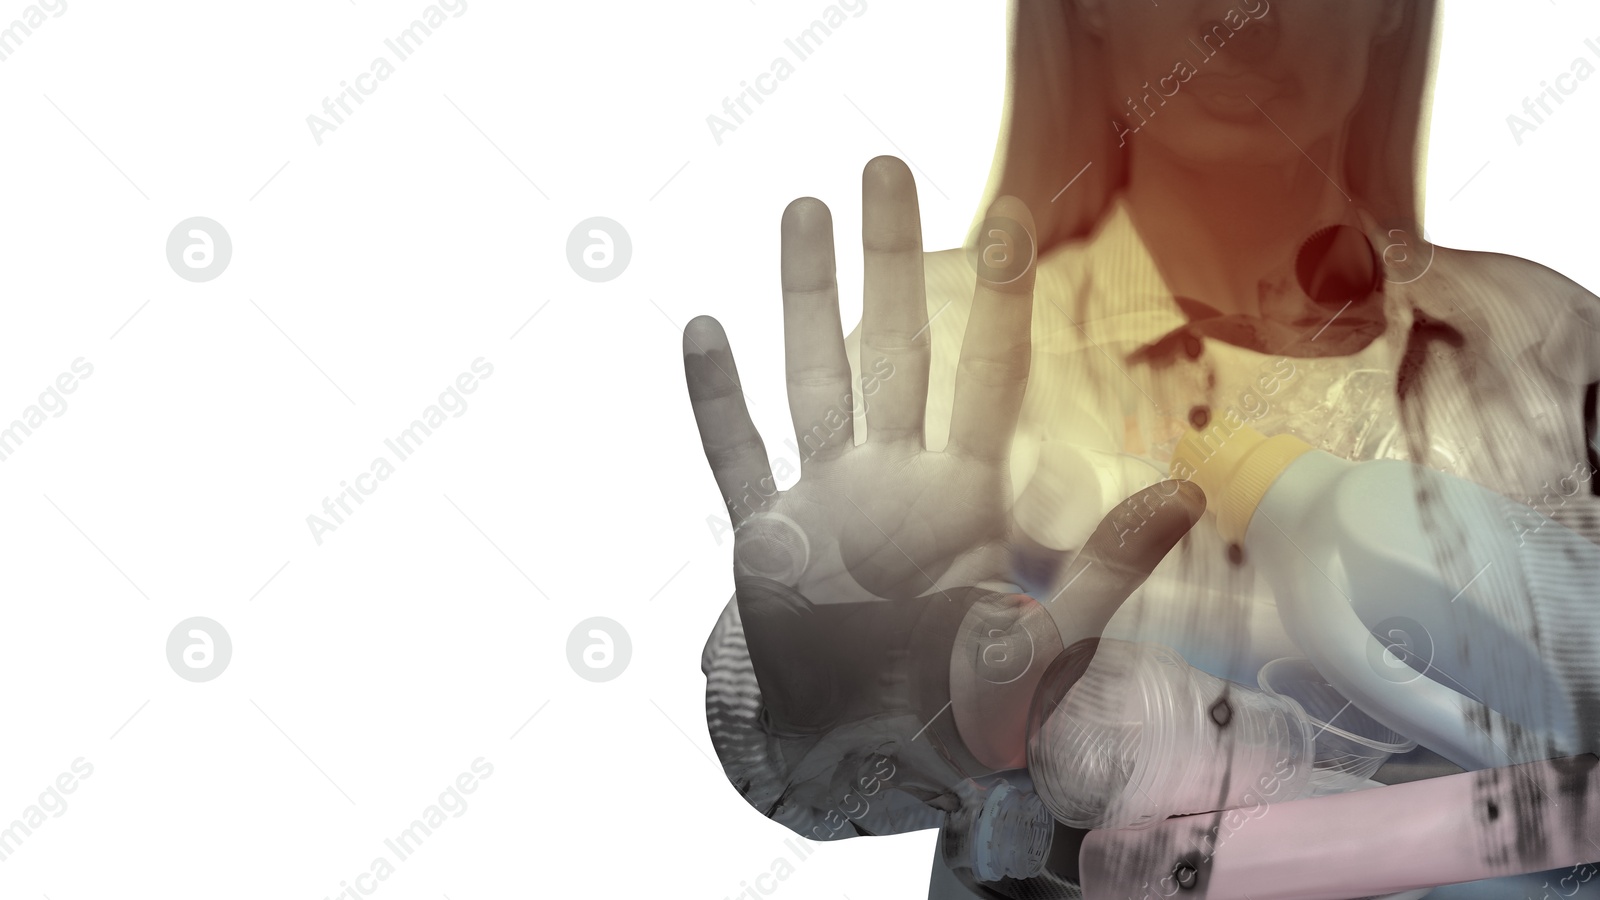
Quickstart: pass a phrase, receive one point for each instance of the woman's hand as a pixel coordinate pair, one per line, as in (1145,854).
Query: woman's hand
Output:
(887,518)
(835,576)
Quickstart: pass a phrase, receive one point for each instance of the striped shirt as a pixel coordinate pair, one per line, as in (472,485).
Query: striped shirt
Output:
(1494,357)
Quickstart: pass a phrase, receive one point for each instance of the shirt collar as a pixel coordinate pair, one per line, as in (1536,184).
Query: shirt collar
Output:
(1133,308)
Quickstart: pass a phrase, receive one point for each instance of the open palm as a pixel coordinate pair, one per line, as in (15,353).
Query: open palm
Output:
(886,518)
(833,576)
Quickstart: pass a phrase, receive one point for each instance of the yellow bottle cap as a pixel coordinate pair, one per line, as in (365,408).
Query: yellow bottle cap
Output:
(1234,467)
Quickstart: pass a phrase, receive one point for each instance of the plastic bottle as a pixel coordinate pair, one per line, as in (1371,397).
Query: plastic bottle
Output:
(1448,612)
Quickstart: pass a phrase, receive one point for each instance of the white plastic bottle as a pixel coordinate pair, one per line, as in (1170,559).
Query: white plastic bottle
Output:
(1448,612)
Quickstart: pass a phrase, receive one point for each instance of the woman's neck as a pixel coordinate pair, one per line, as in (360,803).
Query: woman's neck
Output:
(1215,232)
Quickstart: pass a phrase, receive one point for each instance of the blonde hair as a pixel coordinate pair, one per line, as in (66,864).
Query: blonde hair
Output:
(1057,119)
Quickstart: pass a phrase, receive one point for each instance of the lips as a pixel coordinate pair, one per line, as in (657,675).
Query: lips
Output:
(1236,98)
(1250,47)
(1253,85)
(1231,99)
(1230,107)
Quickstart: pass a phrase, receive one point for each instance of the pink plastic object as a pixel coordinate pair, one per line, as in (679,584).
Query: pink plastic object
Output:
(1466,827)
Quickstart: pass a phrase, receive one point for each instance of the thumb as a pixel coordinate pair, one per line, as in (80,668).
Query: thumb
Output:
(1119,555)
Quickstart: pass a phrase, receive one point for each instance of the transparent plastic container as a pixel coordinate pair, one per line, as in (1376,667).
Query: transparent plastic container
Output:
(1349,744)
(1137,735)
(1449,612)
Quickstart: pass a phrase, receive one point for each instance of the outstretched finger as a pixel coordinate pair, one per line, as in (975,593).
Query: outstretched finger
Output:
(997,348)
(895,340)
(1117,558)
(733,446)
(817,369)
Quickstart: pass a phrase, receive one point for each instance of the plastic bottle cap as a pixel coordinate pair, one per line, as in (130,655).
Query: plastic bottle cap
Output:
(1234,467)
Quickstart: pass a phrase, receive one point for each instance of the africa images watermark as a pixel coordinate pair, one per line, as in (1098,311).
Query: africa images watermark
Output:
(50,401)
(23,26)
(1541,510)
(852,806)
(1211,43)
(778,871)
(50,801)
(409,840)
(1566,85)
(1214,427)
(1226,823)
(403,446)
(402,46)
(801,46)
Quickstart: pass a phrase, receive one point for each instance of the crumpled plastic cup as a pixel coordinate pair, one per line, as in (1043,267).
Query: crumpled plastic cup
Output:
(1349,744)
(1134,734)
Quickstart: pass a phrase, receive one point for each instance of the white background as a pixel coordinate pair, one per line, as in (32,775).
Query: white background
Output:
(369,271)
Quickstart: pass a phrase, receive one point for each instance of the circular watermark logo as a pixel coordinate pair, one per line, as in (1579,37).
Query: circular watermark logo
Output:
(1404,651)
(1002,645)
(598,249)
(1405,251)
(198,649)
(772,545)
(198,249)
(599,649)
(1001,250)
